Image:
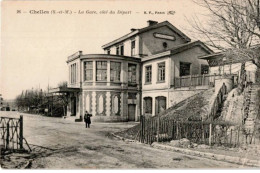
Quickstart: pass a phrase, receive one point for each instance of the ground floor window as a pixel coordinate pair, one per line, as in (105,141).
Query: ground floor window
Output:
(148,105)
(160,104)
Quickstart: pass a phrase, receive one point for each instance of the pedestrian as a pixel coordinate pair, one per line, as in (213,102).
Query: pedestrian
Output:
(87,119)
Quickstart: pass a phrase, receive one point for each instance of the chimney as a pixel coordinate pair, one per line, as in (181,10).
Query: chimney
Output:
(133,29)
(151,22)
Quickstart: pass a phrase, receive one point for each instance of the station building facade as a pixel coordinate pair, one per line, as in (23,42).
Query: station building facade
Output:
(136,74)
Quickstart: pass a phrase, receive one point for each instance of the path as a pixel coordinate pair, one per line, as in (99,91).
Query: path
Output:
(77,147)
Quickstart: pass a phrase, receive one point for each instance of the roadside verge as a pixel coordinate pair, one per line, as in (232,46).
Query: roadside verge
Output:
(219,157)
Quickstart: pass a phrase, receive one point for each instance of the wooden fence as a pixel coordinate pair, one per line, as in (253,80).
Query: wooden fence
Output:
(11,131)
(155,129)
(194,80)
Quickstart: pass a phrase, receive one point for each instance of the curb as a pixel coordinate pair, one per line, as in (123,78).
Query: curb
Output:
(231,159)
(219,157)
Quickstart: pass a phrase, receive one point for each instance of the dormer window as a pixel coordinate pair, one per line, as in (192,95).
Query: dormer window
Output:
(108,51)
(133,48)
(122,50)
(117,50)
(165,45)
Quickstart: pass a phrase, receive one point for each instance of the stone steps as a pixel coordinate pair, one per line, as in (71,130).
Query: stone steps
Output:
(251,108)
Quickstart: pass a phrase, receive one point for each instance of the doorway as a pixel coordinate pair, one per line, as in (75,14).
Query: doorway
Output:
(131,112)
(73,106)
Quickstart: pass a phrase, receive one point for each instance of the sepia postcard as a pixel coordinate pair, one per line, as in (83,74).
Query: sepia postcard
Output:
(113,84)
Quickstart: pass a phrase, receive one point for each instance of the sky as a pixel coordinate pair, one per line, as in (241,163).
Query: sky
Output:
(35,47)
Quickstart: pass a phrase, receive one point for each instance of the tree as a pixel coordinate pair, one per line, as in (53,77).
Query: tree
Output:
(30,99)
(63,84)
(64,96)
(232,25)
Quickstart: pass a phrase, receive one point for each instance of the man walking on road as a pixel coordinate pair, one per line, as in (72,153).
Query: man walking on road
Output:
(87,119)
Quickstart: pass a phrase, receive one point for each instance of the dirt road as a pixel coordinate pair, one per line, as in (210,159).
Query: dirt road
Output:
(75,147)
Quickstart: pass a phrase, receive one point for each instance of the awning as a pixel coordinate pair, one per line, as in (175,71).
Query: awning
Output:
(231,57)
(64,90)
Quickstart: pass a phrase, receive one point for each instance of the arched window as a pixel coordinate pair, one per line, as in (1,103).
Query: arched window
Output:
(148,105)
(116,105)
(100,104)
(88,103)
(160,104)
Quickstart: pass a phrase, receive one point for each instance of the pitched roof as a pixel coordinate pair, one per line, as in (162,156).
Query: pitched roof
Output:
(178,49)
(232,56)
(145,29)
(189,45)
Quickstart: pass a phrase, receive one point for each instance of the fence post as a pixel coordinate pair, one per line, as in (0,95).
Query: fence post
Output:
(231,137)
(7,135)
(141,133)
(202,134)
(158,128)
(190,80)
(238,136)
(210,133)
(144,130)
(203,80)
(214,80)
(21,132)
(140,137)
(177,130)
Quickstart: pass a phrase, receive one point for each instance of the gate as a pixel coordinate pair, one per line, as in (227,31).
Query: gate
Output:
(11,132)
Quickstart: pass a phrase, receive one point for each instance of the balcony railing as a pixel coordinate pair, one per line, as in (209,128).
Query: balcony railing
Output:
(195,80)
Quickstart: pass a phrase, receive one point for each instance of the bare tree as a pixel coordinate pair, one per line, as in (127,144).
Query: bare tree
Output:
(254,12)
(230,23)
